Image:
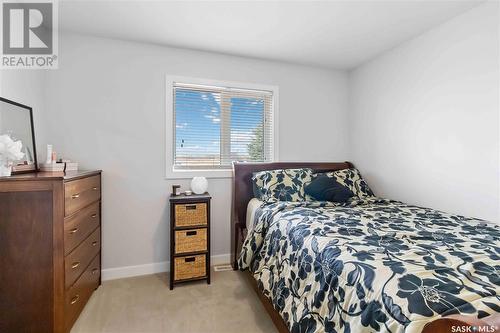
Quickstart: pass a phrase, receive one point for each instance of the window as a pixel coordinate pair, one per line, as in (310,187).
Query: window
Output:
(215,124)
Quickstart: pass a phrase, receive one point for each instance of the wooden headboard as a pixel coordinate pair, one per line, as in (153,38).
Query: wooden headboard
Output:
(243,192)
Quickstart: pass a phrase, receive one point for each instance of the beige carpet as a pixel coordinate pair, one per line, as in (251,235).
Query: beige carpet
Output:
(145,304)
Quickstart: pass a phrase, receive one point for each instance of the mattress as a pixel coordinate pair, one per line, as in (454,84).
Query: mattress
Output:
(252,207)
(371,265)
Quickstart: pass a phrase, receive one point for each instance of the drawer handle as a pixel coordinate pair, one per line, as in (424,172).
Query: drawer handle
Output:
(189,259)
(75,299)
(191,233)
(75,196)
(93,216)
(190,207)
(73,231)
(75,265)
(94,188)
(94,243)
(94,271)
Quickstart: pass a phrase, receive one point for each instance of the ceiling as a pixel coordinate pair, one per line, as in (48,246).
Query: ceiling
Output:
(333,34)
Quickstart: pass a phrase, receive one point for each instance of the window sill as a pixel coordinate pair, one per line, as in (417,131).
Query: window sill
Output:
(187,174)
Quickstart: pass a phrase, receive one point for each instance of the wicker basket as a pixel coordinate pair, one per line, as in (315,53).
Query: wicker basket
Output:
(190,240)
(190,214)
(190,267)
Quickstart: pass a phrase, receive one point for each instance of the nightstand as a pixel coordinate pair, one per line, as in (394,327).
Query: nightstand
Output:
(189,238)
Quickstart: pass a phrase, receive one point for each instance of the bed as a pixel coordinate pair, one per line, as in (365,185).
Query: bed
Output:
(367,265)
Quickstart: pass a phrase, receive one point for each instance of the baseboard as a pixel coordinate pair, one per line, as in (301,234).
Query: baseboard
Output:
(130,271)
(153,268)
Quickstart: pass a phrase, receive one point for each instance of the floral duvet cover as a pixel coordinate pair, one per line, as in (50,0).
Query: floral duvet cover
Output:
(371,265)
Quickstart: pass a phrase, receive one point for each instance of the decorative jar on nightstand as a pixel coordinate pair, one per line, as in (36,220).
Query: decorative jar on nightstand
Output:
(189,238)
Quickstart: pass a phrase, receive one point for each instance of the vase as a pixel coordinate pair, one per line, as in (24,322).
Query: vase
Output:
(199,185)
(5,169)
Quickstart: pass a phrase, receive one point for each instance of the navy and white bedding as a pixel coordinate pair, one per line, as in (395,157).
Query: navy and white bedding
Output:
(371,264)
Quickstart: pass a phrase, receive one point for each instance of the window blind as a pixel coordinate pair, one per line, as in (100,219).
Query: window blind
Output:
(215,126)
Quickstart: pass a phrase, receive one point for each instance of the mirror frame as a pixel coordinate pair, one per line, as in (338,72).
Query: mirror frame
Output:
(35,165)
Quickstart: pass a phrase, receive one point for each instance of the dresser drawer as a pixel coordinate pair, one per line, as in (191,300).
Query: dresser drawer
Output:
(187,215)
(77,261)
(190,267)
(80,193)
(79,225)
(192,240)
(79,293)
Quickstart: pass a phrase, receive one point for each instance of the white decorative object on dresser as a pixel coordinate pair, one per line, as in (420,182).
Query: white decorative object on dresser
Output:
(199,185)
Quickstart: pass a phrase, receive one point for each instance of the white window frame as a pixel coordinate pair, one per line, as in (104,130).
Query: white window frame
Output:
(171,172)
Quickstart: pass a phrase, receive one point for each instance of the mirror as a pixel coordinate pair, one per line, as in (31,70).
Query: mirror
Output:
(16,120)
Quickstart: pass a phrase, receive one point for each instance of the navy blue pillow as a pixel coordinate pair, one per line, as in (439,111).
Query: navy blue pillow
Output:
(324,188)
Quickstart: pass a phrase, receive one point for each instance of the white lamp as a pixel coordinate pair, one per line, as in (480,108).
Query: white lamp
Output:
(199,185)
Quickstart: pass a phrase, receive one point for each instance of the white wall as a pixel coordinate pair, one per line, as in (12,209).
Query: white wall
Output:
(27,87)
(424,117)
(106,110)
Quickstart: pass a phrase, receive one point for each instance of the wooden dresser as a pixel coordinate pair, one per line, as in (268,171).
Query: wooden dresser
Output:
(50,249)
(189,238)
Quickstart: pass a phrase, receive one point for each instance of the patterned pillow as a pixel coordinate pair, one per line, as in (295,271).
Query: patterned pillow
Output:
(351,178)
(281,184)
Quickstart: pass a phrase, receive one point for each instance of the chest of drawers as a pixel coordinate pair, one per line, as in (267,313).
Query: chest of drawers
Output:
(189,238)
(50,245)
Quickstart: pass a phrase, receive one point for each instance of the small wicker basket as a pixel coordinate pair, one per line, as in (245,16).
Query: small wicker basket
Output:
(190,267)
(193,240)
(190,214)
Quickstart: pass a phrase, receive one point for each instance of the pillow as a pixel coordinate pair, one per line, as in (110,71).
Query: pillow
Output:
(324,188)
(281,184)
(351,178)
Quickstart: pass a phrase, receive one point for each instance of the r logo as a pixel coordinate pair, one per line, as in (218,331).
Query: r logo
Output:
(27,28)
